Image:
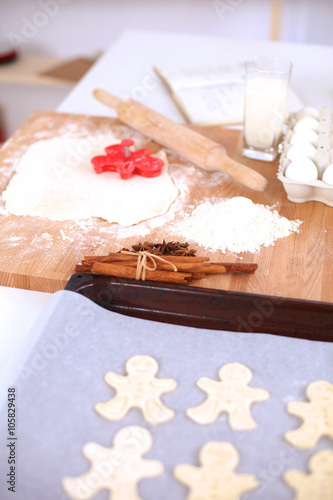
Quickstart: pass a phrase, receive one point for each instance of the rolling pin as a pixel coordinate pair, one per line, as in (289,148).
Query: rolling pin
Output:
(200,150)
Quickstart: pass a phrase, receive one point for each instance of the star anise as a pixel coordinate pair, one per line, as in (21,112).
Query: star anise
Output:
(164,248)
(143,247)
(185,252)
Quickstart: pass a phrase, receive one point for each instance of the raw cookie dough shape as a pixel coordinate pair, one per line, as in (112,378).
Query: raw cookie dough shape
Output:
(318,484)
(139,389)
(116,469)
(317,415)
(216,477)
(231,394)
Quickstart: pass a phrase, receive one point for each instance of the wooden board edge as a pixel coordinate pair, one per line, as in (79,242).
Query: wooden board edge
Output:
(35,283)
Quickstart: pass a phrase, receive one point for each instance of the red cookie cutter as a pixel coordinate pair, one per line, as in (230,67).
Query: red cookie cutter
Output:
(120,159)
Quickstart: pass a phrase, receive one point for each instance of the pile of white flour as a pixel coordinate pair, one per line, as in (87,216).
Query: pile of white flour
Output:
(235,225)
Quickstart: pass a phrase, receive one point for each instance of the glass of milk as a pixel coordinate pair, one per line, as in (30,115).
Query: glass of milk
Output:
(266,92)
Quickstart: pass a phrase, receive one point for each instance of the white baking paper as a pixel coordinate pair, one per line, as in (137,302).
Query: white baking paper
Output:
(59,378)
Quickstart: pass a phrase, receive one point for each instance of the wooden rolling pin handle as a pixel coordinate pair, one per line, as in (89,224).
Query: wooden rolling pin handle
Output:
(241,173)
(106,98)
(193,146)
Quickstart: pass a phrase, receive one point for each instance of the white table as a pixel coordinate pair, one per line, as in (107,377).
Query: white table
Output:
(126,70)
(18,311)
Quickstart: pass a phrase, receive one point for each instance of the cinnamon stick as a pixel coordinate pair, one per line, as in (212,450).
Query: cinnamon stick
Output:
(181,263)
(181,258)
(125,271)
(198,276)
(118,257)
(204,267)
(83,268)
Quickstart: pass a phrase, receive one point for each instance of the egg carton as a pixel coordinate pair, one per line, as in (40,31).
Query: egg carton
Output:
(308,146)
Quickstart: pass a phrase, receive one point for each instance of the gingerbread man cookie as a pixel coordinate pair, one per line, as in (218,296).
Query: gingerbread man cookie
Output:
(231,394)
(317,415)
(138,389)
(116,469)
(318,484)
(216,478)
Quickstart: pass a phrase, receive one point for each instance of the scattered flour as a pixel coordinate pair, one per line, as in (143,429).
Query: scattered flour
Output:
(236,225)
(64,236)
(3,211)
(42,241)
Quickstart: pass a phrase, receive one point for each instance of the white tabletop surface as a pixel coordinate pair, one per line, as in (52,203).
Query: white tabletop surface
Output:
(126,70)
(18,310)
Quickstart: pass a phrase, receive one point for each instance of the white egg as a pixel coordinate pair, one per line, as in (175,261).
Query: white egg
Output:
(328,175)
(303,150)
(311,112)
(302,170)
(308,135)
(306,123)
(305,112)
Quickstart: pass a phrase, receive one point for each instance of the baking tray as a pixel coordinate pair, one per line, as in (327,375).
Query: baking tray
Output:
(208,308)
(58,375)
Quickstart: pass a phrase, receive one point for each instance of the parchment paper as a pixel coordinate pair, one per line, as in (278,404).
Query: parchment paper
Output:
(75,342)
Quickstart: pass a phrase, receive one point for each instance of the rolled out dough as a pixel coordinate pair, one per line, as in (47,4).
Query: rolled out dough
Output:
(55,179)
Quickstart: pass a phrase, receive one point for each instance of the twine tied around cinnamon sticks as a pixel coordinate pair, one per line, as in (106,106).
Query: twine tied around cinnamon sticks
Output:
(142,265)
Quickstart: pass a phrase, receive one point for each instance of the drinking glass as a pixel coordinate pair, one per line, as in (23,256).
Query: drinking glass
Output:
(266,92)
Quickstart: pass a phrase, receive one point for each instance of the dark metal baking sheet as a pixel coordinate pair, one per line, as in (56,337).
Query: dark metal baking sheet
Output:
(207,308)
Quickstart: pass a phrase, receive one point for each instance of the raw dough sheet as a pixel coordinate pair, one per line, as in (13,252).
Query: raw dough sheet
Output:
(75,342)
(55,179)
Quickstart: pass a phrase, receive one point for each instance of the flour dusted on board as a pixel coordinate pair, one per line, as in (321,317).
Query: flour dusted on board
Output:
(236,225)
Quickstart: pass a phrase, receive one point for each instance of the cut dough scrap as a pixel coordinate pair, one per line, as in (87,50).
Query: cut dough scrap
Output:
(55,179)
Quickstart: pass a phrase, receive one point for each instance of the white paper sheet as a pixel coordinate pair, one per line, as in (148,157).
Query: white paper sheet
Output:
(59,378)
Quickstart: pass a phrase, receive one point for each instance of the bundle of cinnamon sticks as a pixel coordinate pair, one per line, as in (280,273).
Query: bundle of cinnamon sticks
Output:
(164,268)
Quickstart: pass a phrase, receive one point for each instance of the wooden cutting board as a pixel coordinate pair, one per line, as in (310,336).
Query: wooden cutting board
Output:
(39,254)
